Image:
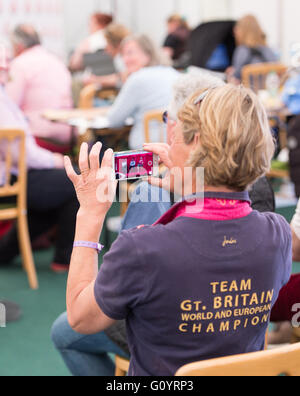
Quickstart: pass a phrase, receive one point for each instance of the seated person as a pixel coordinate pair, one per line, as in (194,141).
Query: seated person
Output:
(95,42)
(175,45)
(74,347)
(39,81)
(149,87)
(285,313)
(50,196)
(251,48)
(236,268)
(114,34)
(287,307)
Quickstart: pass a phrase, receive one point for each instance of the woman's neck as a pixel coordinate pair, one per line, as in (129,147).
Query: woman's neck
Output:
(218,189)
(194,186)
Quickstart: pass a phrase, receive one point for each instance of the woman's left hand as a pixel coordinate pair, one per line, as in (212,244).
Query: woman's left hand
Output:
(95,187)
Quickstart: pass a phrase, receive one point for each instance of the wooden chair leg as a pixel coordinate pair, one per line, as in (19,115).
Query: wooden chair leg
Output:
(119,373)
(26,252)
(122,367)
(267,340)
(296,336)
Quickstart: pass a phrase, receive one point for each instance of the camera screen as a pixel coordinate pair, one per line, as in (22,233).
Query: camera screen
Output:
(134,165)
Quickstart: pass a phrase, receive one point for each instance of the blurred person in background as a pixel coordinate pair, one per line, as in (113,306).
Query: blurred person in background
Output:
(51,200)
(39,81)
(149,87)
(95,42)
(252,47)
(114,35)
(175,44)
(5,58)
(286,311)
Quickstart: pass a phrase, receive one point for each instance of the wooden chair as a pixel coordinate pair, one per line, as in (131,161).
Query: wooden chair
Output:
(151,116)
(254,76)
(18,190)
(86,97)
(90,92)
(116,136)
(296,336)
(276,362)
(122,366)
(278,174)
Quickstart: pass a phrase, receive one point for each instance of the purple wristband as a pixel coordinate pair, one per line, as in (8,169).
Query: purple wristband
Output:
(91,245)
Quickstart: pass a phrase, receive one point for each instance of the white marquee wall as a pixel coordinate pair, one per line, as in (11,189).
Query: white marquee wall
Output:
(46,15)
(63,23)
(147,16)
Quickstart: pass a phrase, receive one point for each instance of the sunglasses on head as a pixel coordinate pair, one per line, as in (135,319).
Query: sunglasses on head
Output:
(200,98)
(198,101)
(165,117)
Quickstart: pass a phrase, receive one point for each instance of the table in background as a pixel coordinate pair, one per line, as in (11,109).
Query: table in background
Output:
(91,124)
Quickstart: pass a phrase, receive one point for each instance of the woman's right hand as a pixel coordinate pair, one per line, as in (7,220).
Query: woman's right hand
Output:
(95,187)
(170,182)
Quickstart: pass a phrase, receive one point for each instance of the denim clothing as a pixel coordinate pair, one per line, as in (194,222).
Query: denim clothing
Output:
(144,211)
(85,356)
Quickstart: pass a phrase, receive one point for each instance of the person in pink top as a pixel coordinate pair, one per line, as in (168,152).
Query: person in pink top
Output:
(51,200)
(38,81)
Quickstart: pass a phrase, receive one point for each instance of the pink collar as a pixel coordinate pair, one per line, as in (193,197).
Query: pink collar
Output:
(214,207)
(216,210)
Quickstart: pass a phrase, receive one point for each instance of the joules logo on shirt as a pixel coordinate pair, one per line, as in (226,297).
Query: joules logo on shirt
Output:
(229,242)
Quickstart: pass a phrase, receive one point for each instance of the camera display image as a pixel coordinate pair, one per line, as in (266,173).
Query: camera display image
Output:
(134,165)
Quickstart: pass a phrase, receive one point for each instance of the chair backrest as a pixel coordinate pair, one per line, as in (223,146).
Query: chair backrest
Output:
(255,76)
(122,366)
(87,96)
(107,93)
(90,92)
(281,361)
(11,137)
(151,116)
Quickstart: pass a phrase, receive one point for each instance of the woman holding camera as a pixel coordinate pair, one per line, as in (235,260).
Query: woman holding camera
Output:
(202,281)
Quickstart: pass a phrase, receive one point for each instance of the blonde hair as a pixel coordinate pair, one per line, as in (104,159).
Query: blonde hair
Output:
(250,32)
(235,141)
(115,34)
(149,48)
